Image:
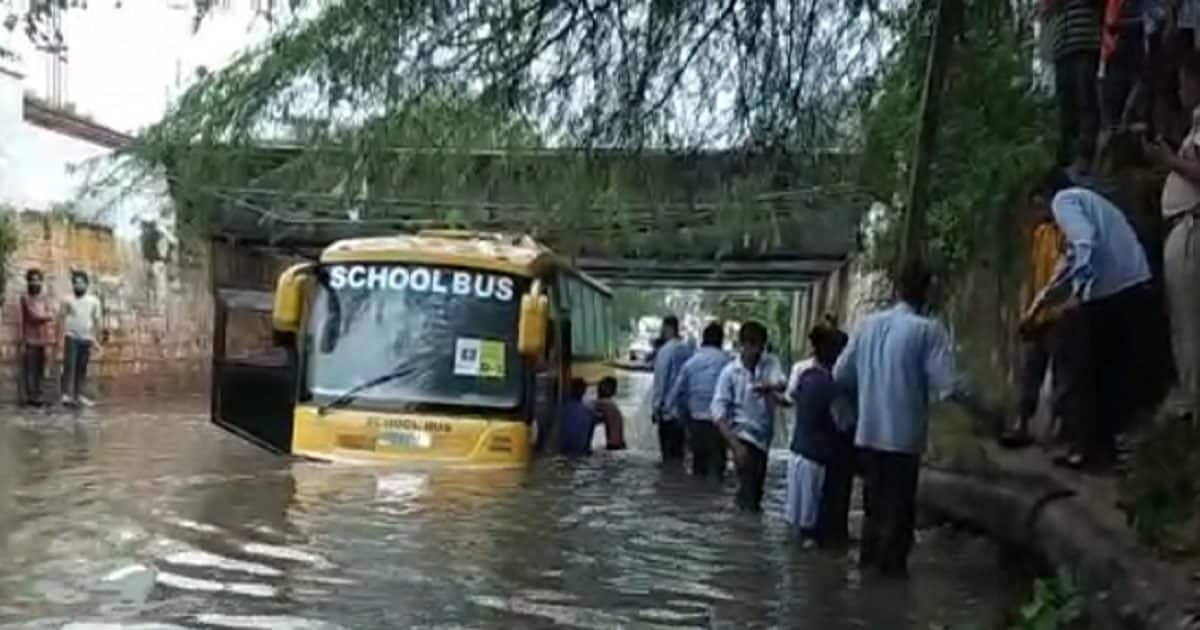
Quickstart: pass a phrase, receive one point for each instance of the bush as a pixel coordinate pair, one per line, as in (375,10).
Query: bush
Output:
(1056,604)
(1160,491)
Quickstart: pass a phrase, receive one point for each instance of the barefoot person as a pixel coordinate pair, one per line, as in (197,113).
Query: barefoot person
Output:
(743,407)
(610,414)
(80,322)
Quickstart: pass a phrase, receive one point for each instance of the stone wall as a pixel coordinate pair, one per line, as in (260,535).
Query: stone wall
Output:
(157,313)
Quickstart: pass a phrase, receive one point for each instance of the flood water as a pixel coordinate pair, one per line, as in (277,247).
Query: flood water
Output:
(147,516)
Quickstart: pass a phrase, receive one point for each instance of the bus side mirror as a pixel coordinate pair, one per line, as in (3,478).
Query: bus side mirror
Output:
(289,298)
(531,329)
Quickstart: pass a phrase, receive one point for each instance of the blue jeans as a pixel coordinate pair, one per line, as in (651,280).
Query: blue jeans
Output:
(76,353)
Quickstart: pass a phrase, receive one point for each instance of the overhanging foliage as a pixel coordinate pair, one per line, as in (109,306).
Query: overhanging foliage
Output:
(995,131)
(778,82)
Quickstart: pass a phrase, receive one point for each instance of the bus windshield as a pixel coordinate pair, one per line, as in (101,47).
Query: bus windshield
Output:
(445,335)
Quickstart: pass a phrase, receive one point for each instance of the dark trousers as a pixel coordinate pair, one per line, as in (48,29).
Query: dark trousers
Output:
(76,353)
(708,449)
(671,440)
(1079,107)
(833,528)
(33,372)
(752,477)
(889,504)
(1123,72)
(1042,350)
(1110,364)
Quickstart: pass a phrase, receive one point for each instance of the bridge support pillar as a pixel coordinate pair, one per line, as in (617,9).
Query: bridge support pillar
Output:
(799,323)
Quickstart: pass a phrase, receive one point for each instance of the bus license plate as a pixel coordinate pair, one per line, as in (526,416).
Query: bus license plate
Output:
(403,439)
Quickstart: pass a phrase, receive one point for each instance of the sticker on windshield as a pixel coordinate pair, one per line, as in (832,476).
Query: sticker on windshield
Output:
(491,359)
(478,357)
(466,356)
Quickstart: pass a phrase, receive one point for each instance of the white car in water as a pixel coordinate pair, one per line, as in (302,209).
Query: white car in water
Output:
(639,351)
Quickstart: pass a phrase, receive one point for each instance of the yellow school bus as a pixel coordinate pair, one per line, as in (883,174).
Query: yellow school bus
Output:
(440,347)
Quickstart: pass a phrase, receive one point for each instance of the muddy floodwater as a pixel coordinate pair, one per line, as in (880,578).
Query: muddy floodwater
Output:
(144,515)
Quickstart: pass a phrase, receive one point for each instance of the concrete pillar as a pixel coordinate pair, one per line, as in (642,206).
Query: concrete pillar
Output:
(818,305)
(843,303)
(796,322)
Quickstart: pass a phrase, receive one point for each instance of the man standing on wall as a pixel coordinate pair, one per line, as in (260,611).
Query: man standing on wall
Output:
(668,362)
(1075,28)
(80,321)
(35,336)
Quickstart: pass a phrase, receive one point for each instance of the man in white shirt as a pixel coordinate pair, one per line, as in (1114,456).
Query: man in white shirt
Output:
(79,320)
(743,406)
(1181,257)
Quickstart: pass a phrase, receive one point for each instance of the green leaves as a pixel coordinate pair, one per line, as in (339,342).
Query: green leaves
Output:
(8,241)
(1161,490)
(1056,604)
(994,132)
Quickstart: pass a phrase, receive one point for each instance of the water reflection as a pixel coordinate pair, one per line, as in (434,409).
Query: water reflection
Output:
(151,516)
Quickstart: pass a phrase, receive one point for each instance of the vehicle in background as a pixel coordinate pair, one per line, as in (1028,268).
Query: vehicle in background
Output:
(640,350)
(444,347)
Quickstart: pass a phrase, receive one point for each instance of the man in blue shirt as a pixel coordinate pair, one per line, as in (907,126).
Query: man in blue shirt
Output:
(691,399)
(1103,283)
(578,422)
(744,409)
(895,362)
(667,363)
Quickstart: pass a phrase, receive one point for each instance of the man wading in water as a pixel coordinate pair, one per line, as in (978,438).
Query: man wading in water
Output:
(744,409)
(691,400)
(895,361)
(668,361)
(821,471)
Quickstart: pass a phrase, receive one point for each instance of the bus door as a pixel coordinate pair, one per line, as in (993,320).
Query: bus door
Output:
(253,371)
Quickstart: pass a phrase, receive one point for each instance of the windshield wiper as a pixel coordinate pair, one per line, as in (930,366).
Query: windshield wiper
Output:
(351,394)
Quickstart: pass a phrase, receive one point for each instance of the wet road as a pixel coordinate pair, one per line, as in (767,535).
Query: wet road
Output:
(149,517)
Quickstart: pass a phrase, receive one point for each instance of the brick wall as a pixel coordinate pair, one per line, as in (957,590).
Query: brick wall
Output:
(157,315)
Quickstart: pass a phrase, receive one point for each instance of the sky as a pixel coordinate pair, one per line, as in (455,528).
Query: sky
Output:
(128,59)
